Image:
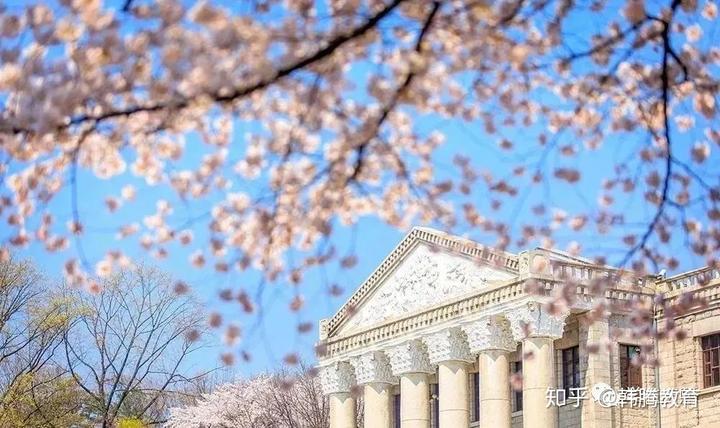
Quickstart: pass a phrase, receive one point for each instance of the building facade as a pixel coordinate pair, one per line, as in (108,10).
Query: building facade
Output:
(446,333)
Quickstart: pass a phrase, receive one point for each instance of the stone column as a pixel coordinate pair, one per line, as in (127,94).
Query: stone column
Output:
(538,329)
(337,381)
(491,338)
(377,402)
(449,350)
(342,410)
(495,389)
(597,371)
(410,361)
(373,372)
(414,400)
(538,376)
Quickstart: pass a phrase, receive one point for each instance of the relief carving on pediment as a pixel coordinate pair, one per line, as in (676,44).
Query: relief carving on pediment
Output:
(424,279)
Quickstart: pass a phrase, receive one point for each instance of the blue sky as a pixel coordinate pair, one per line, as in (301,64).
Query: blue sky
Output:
(274,335)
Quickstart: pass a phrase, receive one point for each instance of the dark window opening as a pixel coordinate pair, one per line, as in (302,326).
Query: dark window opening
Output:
(711,360)
(517,394)
(435,407)
(475,397)
(570,370)
(630,374)
(396,410)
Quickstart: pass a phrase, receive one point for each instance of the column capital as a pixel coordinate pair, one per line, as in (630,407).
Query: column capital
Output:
(373,367)
(409,357)
(532,320)
(337,377)
(324,329)
(489,333)
(448,345)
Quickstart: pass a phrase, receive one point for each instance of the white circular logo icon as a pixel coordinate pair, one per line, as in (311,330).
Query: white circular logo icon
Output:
(604,395)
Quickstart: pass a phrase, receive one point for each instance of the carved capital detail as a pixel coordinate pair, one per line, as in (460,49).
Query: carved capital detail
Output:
(323,329)
(337,377)
(524,264)
(373,367)
(410,357)
(489,333)
(534,321)
(448,345)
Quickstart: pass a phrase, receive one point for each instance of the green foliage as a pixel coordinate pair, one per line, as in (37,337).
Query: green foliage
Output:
(58,346)
(42,400)
(35,390)
(130,423)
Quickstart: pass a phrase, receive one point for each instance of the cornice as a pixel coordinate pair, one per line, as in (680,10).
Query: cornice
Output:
(492,301)
(674,285)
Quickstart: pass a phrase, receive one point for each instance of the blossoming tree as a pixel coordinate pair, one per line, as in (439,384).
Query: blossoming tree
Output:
(307,115)
(268,400)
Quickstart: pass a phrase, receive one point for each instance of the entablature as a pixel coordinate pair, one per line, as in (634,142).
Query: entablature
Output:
(499,300)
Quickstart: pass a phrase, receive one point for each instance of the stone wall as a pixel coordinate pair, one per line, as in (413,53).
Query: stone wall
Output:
(517,420)
(681,367)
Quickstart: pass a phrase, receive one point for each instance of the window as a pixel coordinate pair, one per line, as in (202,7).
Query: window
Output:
(435,407)
(396,410)
(517,394)
(570,369)
(711,360)
(630,374)
(474,397)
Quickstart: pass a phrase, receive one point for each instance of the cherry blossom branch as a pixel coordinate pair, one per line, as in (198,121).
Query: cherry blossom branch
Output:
(322,53)
(693,173)
(127,5)
(397,95)
(665,81)
(607,43)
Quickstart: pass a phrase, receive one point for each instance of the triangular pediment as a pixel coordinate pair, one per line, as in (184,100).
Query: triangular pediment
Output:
(427,268)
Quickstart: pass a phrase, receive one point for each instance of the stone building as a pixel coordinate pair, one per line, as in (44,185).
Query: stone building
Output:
(434,337)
